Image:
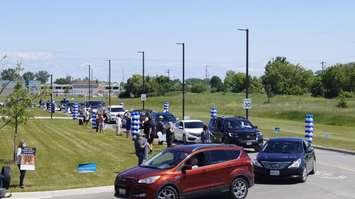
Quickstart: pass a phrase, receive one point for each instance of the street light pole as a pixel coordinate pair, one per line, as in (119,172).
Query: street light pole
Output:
(143,89)
(52,108)
(109,82)
(183,79)
(89,82)
(247,69)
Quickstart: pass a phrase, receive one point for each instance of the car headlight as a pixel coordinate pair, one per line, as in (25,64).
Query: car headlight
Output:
(257,163)
(259,133)
(148,180)
(296,164)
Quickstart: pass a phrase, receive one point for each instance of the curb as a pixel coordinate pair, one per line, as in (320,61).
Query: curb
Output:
(350,152)
(61,193)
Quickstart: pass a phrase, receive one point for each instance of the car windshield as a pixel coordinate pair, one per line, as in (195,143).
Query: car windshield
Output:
(193,125)
(283,147)
(95,103)
(167,117)
(238,124)
(165,160)
(117,110)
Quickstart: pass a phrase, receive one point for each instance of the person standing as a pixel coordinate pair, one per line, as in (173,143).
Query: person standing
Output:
(170,134)
(20,147)
(141,148)
(97,122)
(205,135)
(160,129)
(128,125)
(118,124)
(101,123)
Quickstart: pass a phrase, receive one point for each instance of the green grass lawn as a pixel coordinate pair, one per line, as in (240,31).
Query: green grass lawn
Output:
(61,146)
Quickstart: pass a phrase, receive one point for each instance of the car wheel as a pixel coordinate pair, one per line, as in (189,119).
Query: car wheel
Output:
(168,192)
(303,177)
(184,139)
(239,188)
(314,168)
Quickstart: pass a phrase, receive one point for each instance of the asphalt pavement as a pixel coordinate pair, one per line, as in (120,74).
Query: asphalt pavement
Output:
(334,179)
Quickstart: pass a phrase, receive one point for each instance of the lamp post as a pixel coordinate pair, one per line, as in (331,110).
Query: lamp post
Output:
(143,87)
(109,82)
(52,108)
(183,79)
(247,68)
(89,82)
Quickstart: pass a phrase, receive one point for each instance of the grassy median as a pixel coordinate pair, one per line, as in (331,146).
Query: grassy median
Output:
(61,146)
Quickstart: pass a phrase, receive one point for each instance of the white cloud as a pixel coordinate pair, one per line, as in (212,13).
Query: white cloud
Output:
(27,55)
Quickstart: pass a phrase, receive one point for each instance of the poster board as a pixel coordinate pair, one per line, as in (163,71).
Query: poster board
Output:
(28,159)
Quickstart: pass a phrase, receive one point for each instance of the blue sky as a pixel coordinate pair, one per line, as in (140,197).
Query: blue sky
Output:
(64,36)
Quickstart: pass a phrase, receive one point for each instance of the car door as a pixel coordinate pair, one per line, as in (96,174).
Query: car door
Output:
(196,179)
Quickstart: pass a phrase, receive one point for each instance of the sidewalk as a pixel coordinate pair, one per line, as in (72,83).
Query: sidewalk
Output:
(61,193)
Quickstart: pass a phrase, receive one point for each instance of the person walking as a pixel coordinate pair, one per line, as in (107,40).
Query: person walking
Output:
(205,135)
(141,148)
(170,134)
(118,124)
(20,147)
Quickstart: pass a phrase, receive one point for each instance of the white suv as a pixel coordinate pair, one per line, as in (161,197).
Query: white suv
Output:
(189,131)
(113,111)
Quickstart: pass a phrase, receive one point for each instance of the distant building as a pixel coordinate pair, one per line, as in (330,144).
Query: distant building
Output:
(81,88)
(103,89)
(7,86)
(34,86)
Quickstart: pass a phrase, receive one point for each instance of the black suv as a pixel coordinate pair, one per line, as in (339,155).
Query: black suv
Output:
(236,130)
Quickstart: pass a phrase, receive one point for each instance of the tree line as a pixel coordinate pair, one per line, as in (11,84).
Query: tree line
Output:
(281,77)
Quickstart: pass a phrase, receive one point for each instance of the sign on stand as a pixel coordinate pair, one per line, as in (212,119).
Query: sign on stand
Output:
(28,159)
(143,97)
(247,103)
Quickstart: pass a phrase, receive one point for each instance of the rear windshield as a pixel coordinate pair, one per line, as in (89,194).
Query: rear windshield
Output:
(283,147)
(193,125)
(117,110)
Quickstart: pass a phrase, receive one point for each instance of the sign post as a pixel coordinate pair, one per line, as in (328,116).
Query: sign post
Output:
(28,159)
(143,97)
(247,103)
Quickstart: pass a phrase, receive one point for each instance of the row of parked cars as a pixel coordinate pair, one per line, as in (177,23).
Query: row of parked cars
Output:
(194,169)
(200,169)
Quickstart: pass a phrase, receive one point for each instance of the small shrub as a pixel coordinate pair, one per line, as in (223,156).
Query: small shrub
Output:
(342,102)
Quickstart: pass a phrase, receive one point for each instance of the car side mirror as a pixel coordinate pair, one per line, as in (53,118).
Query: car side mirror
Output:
(256,127)
(185,168)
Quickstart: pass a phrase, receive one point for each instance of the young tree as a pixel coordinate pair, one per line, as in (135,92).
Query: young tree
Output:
(17,110)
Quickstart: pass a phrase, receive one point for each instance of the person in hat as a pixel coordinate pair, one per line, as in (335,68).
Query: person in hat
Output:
(170,134)
(160,129)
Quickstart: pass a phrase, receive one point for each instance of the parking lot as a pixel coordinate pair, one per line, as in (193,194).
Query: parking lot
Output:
(333,180)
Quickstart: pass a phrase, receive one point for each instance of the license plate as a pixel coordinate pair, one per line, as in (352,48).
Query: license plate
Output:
(121,191)
(274,172)
(249,143)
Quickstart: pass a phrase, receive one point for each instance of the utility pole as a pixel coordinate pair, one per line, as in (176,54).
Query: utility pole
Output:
(89,82)
(183,79)
(323,65)
(109,82)
(206,71)
(247,69)
(52,108)
(168,72)
(143,89)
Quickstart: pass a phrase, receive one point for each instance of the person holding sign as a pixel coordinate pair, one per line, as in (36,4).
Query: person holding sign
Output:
(20,147)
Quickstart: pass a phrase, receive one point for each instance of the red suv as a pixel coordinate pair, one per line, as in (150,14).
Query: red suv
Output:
(187,170)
